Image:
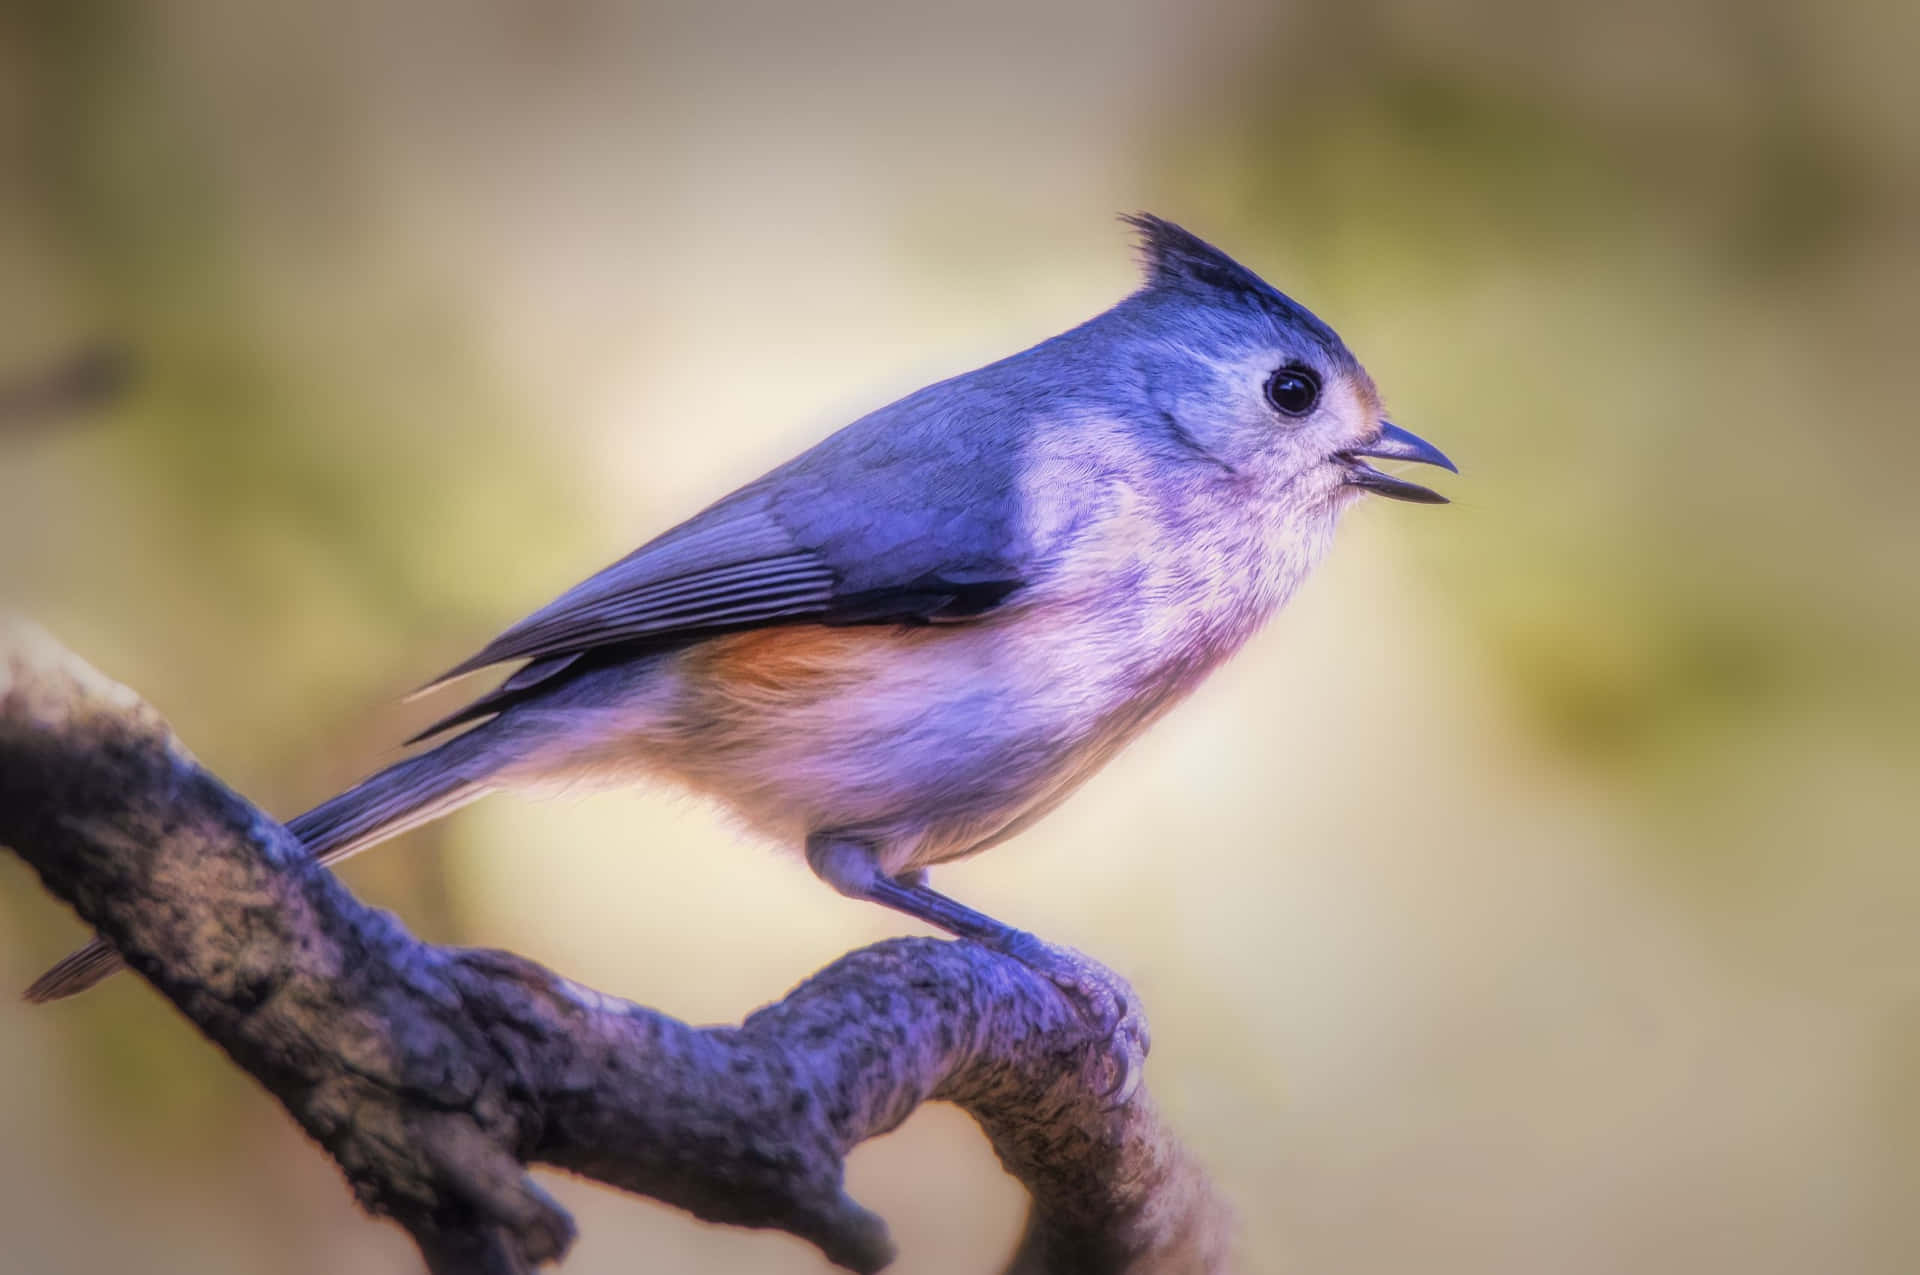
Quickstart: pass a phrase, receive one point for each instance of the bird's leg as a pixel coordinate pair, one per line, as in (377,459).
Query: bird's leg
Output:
(1105,1000)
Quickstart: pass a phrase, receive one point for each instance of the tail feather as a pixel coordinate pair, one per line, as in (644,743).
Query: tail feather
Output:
(403,796)
(76,973)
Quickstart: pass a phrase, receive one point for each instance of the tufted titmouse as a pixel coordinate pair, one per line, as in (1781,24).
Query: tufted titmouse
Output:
(910,642)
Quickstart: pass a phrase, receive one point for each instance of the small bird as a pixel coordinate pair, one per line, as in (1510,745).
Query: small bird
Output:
(910,642)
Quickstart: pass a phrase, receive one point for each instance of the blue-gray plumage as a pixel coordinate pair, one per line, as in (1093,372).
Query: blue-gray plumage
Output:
(911,641)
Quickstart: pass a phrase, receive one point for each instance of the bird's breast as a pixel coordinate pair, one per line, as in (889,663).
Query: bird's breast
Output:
(934,740)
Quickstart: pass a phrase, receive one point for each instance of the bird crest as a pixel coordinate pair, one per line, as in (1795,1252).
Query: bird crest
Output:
(1175,257)
(1177,260)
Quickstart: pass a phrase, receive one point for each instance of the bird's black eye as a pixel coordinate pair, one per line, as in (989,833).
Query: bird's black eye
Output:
(1293,391)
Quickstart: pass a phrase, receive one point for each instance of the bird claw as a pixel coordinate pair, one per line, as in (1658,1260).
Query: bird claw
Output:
(1116,1020)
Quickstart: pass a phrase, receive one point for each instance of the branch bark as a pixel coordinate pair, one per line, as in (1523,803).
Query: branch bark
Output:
(434,1076)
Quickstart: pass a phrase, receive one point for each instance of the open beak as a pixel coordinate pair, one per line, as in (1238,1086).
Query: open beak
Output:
(1395,443)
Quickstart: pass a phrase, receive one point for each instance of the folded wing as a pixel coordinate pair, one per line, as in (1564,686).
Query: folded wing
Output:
(879,524)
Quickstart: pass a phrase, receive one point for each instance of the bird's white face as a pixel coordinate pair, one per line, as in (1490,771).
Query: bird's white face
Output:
(1298,421)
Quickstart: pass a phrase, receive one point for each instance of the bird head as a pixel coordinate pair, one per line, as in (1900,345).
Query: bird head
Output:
(1248,378)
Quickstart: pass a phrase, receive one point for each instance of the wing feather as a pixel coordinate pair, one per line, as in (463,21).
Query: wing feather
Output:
(613,612)
(906,515)
(730,566)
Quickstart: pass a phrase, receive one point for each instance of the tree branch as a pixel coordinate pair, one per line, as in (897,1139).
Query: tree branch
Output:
(433,1076)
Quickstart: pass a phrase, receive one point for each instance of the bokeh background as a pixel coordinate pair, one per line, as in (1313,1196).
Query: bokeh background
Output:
(1540,893)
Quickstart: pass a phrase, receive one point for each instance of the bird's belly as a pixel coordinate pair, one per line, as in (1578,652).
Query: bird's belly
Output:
(927,742)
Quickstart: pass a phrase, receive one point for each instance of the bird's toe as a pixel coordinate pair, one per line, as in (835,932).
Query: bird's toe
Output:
(1115,1018)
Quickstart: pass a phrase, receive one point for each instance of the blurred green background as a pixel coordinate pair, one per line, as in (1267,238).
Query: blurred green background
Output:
(1538,894)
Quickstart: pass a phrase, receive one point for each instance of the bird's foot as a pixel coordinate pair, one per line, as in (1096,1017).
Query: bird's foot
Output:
(1116,1020)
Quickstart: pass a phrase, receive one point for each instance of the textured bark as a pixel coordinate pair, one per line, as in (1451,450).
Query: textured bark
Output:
(434,1076)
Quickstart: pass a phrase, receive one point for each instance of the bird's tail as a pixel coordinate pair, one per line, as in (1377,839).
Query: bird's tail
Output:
(404,795)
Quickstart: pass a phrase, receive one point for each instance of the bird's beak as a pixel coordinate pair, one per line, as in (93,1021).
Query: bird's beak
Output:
(1395,443)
